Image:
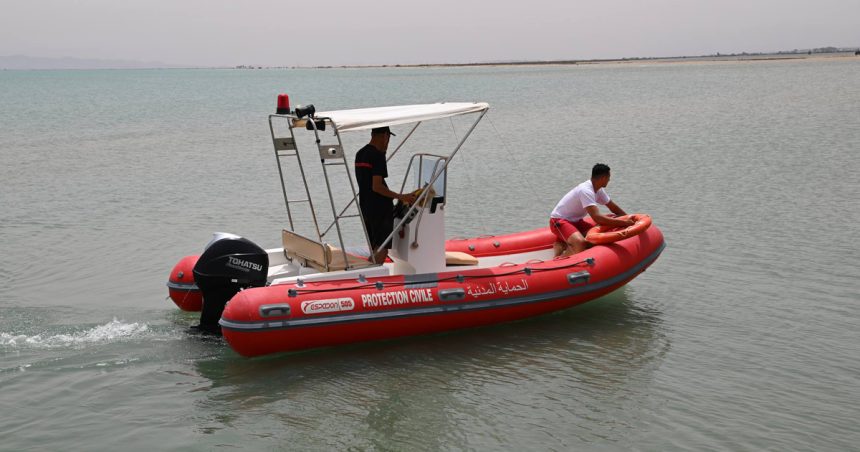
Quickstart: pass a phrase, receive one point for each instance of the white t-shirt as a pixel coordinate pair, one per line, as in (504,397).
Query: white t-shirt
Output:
(572,205)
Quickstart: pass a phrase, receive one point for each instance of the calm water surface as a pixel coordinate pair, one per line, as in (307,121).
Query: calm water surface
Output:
(744,335)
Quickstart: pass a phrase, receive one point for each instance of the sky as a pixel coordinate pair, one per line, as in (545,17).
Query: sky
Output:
(343,32)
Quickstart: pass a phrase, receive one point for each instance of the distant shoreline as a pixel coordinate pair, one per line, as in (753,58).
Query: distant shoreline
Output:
(48,64)
(658,60)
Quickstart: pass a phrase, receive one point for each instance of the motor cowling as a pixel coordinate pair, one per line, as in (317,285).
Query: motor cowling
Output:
(229,264)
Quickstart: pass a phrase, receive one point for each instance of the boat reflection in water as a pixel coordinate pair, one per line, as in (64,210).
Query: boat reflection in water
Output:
(554,367)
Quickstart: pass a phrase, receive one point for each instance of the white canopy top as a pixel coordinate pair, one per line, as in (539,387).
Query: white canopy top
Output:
(368,118)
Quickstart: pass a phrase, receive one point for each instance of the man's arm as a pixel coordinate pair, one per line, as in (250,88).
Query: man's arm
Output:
(379,187)
(615,209)
(603,220)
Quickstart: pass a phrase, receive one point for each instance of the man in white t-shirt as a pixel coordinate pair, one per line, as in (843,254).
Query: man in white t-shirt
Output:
(566,220)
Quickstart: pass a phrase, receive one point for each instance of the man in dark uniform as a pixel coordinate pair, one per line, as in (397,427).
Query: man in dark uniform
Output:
(374,197)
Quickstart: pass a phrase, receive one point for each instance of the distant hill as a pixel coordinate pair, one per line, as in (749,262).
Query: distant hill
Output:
(28,62)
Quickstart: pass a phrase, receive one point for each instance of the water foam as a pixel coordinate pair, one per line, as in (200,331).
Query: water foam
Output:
(112,331)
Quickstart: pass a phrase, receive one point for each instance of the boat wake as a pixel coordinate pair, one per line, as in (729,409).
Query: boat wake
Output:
(113,331)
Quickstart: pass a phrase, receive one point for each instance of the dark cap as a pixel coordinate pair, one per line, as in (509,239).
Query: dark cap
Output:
(378,130)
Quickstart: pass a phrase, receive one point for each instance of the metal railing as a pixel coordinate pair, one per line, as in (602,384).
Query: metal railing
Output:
(286,147)
(335,152)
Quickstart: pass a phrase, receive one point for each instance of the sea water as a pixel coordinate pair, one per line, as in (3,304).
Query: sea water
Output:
(744,335)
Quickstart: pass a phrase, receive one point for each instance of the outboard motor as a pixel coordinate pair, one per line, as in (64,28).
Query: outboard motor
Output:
(229,264)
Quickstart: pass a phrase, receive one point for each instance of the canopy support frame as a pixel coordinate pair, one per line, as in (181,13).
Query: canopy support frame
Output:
(291,144)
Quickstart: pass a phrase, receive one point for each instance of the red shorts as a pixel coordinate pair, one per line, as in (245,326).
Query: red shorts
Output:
(563,229)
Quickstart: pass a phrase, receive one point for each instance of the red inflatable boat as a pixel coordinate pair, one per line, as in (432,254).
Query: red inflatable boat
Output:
(315,292)
(289,317)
